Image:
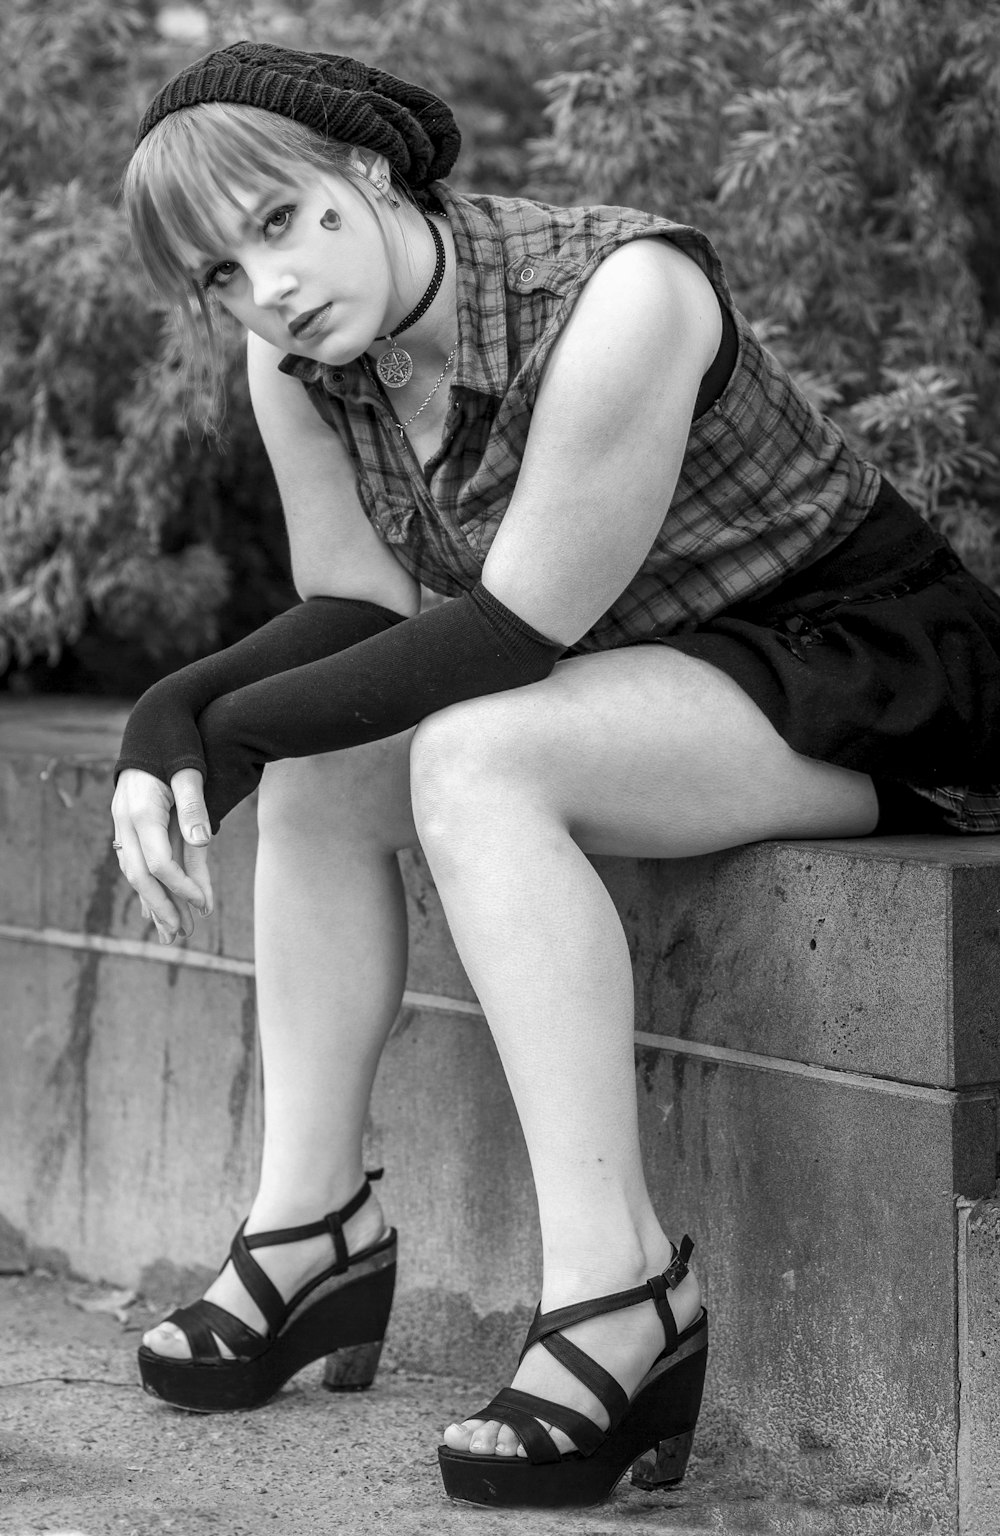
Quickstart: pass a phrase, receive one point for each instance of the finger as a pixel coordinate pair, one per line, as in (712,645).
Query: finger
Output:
(165,928)
(141,811)
(197,866)
(158,879)
(189,801)
(155,902)
(162,861)
(180,851)
(165,918)
(186,906)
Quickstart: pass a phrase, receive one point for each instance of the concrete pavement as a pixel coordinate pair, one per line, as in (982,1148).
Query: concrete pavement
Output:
(84,1451)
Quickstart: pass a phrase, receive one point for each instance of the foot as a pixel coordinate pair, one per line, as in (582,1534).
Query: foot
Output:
(626,1343)
(287,1265)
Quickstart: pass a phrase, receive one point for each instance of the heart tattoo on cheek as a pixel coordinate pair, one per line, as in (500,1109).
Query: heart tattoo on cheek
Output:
(331,219)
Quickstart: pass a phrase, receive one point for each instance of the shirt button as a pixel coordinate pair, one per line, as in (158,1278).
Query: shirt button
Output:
(527,273)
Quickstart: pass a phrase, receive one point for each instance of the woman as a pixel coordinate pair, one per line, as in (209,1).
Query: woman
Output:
(686,617)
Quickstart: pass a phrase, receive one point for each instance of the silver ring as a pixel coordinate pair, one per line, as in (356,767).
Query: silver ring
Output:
(116,844)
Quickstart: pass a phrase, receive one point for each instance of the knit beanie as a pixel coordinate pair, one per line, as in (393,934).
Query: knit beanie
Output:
(338,97)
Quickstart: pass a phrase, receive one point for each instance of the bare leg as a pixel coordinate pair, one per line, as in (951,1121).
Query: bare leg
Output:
(639,752)
(330,946)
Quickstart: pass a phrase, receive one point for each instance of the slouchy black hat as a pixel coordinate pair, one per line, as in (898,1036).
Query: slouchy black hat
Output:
(338,97)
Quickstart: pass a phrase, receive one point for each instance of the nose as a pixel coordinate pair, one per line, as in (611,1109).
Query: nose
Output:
(271,284)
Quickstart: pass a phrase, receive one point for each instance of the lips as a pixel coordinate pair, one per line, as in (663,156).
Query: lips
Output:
(309,323)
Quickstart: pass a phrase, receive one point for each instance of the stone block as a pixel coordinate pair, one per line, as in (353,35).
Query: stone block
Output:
(458,1186)
(825,1233)
(979,1377)
(129,1107)
(20,841)
(841,954)
(818,1067)
(13,1250)
(434,967)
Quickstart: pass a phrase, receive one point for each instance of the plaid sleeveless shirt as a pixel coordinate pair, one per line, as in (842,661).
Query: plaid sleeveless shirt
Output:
(767,484)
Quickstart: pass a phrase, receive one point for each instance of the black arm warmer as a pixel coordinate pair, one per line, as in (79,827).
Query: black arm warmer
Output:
(162,737)
(461,650)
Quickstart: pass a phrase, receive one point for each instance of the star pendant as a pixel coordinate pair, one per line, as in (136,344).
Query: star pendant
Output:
(395,368)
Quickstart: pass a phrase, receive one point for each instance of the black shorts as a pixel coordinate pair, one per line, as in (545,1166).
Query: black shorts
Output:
(882,656)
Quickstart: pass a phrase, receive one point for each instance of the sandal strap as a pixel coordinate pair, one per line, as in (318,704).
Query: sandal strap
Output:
(244,1341)
(332,1224)
(678,1266)
(521,1412)
(658,1287)
(515,1409)
(261,1290)
(203,1319)
(546,1323)
(200,1338)
(202,1323)
(609,1393)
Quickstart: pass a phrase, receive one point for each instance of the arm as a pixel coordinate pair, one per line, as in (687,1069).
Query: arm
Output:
(161,735)
(334,550)
(602,463)
(599,471)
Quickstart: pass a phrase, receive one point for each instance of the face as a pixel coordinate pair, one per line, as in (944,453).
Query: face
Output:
(310,270)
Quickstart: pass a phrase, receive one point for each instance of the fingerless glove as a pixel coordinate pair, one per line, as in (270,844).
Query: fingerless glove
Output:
(463,649)
(161,736)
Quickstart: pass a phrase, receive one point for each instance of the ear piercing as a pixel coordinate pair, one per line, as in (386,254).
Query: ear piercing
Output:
(331,219)
(384,185)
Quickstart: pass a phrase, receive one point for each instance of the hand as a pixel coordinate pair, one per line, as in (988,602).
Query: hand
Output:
(164,835)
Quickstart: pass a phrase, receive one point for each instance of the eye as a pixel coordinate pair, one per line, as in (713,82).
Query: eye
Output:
(278,221)
(220,275)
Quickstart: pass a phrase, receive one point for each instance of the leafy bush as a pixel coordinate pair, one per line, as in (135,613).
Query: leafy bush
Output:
(105,547)
(844,155)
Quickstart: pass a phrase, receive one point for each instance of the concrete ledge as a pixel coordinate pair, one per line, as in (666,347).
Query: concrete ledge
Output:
(818,1063)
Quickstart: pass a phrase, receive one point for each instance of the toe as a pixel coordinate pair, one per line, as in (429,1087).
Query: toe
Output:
(457,1436)
(167,1339)
(484,1439)
(507,1442)
(563,1443)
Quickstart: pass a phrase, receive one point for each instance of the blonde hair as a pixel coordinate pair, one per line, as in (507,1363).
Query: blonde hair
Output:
(179,194)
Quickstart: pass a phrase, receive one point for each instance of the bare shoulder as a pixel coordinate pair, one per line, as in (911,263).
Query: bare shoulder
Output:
(655,268)
(655,294)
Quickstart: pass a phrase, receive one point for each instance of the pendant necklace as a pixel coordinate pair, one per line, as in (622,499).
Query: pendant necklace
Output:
(395,366)
(401,426)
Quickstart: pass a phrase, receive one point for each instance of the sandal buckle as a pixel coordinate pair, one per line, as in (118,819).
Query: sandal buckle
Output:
(678,1266)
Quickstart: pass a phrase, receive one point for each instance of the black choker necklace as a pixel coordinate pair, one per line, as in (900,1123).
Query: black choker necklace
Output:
(395,366)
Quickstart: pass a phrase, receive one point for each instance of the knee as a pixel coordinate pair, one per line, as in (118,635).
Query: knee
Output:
(468,764)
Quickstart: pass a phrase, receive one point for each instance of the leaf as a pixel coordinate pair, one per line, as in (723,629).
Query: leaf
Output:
(116,1303)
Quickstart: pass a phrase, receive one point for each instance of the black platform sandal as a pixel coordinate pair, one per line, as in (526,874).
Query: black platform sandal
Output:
(652,1433)
(342,1313)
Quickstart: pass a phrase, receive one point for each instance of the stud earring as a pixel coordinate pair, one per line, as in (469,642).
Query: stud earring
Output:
(331,219)
(384,185)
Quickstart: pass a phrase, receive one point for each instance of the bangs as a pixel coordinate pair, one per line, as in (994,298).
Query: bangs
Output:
(180,186)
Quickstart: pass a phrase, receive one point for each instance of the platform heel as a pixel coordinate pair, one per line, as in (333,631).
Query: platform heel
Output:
(664,1466)
(352,1369)
(652,1432)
